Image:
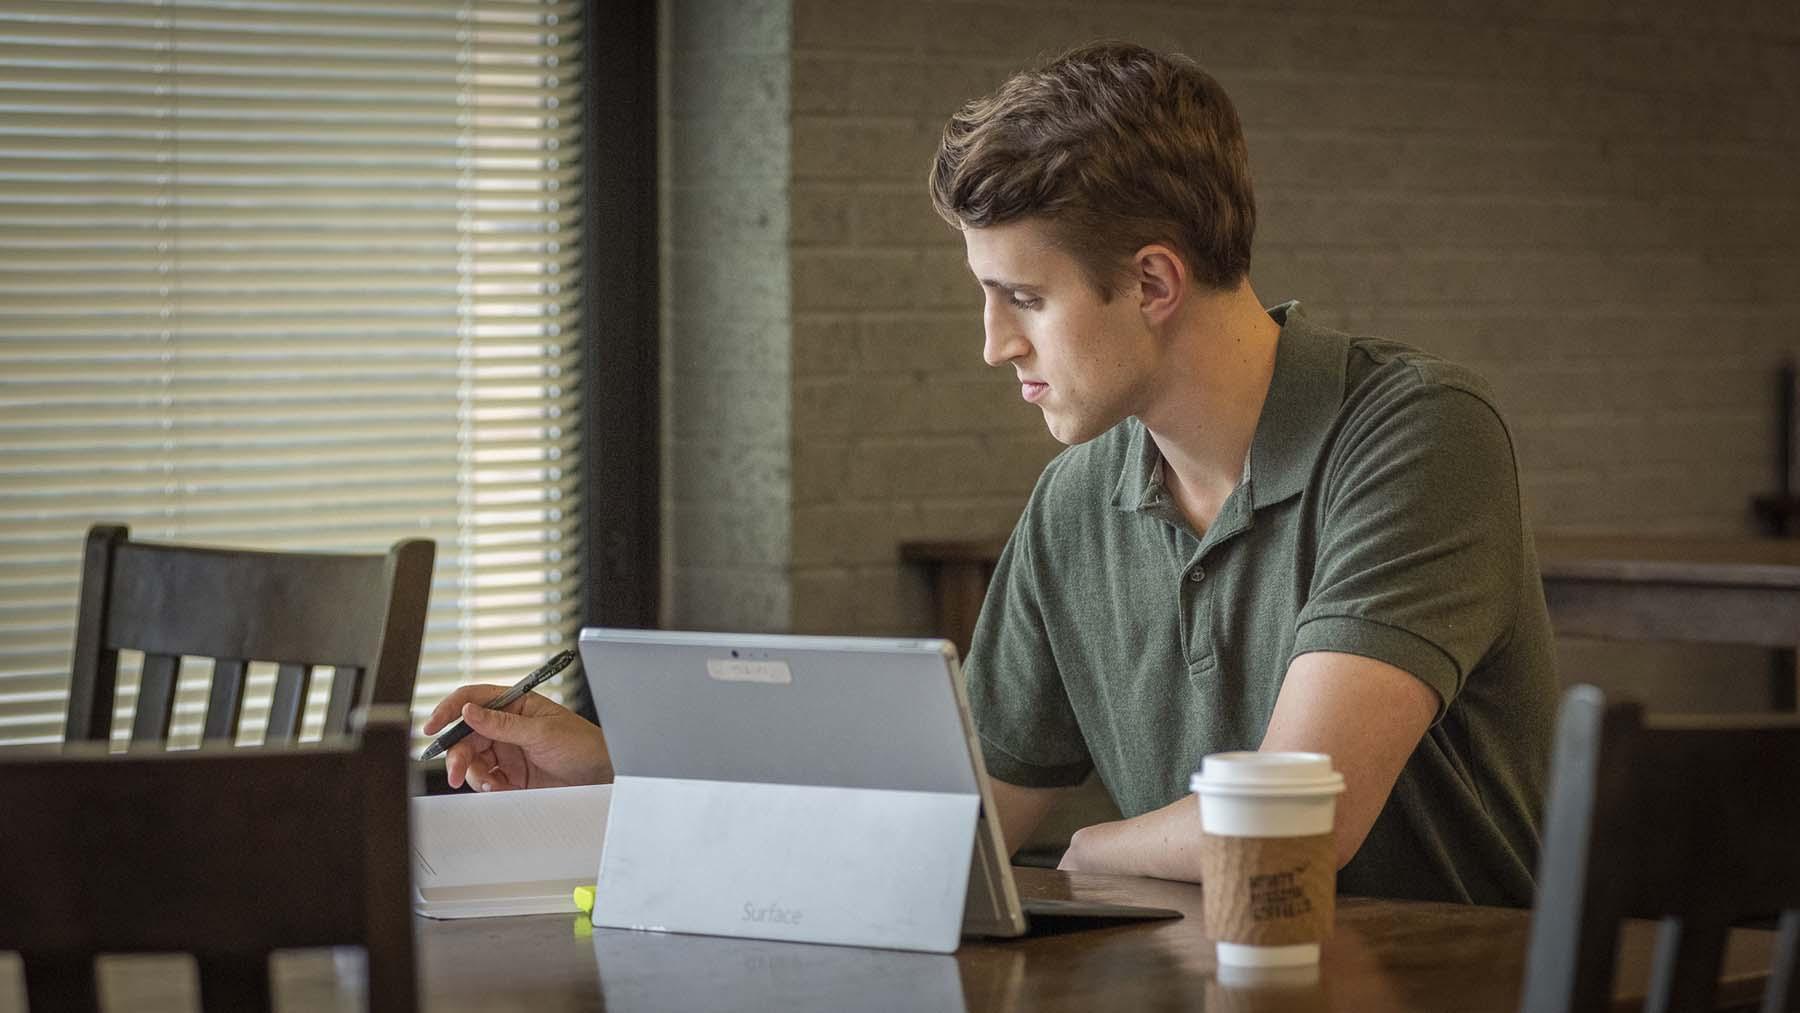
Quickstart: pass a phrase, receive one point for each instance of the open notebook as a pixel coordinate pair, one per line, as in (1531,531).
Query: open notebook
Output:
(506,852)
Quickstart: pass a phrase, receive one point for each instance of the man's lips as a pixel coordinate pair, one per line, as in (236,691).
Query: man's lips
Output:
(1032,390)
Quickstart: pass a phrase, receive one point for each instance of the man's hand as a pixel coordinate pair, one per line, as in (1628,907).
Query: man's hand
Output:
(1164,844)
(534,743)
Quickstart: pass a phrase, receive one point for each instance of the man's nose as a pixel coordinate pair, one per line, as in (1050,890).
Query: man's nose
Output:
(1004,341)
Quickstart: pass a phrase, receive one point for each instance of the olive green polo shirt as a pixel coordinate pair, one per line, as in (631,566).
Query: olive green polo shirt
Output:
(1379,515)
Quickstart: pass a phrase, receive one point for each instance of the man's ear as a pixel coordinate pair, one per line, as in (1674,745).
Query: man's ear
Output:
(1161,281)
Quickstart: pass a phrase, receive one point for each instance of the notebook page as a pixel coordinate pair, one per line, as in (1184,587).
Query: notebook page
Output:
(507,852)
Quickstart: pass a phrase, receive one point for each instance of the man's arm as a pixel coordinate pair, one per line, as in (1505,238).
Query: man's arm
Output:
(1368,714)
(1020,810)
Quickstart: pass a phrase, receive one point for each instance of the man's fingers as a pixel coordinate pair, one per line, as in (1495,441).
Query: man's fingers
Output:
(500,726)
(494,779)
(465,755)
(450,707)
(445,712)
(455,765)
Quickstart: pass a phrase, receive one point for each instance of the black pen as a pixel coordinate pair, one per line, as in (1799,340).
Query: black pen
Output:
(460,730)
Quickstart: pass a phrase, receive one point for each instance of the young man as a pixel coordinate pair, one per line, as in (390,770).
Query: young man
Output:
(1265,534)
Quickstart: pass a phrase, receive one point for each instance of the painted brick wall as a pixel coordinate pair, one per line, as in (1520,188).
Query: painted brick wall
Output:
(1595,203)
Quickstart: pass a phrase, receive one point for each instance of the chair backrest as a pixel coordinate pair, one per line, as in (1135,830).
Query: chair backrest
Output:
(1694,821)
(224,853)
(362,614)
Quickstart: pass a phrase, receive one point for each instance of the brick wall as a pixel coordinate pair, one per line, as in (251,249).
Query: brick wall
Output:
(1593,203)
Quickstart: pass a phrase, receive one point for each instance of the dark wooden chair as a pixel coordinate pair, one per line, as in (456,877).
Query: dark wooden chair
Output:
(362,614)
(1695,822)
(227,854)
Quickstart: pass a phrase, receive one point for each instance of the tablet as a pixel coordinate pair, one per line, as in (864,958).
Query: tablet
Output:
(843,772)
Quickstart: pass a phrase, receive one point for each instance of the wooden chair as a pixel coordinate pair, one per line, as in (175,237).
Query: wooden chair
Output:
(1694,822)
(224,853)
(363,614)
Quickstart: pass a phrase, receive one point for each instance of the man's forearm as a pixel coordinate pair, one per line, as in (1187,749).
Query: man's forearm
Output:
(1367,715)
(1164,844)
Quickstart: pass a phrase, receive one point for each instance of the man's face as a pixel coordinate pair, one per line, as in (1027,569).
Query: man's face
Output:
(1085,362)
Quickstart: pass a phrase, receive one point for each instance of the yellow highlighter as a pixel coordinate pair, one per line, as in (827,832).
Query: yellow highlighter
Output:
(584,899)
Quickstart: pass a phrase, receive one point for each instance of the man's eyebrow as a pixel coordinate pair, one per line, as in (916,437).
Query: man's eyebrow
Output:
(1006,286)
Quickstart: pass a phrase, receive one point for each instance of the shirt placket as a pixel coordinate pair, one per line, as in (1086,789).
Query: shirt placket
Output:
(1189,556)
(1198,584)
(1196,612)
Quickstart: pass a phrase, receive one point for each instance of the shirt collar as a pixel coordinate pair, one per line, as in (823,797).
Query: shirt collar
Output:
(1140,479)
(1304,397)
(1303,400)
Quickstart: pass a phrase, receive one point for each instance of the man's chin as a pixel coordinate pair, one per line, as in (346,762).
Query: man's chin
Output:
(1070,432)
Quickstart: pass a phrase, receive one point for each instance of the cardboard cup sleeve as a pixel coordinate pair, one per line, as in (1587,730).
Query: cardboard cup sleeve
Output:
(1268,891)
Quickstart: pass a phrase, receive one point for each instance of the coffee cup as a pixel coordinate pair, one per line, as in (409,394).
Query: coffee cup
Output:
(1238,989)
(1268,858)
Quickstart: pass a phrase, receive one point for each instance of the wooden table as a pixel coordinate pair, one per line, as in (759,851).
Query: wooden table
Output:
(1621,587)
(1386,955)
(1683,589)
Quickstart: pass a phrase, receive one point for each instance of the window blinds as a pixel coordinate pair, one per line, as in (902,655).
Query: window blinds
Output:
(290,274)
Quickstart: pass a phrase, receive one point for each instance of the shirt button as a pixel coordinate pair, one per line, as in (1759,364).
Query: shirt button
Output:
(1196,575)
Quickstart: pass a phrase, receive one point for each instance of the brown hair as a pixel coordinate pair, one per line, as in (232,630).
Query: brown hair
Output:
(1116,146)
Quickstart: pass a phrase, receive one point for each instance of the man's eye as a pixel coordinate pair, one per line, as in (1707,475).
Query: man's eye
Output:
(1022,302)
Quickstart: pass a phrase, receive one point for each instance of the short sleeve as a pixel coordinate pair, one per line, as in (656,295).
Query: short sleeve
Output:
(1029,734)
(1420,538)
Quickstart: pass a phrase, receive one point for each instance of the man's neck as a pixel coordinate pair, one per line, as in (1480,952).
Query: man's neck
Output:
(1203,415)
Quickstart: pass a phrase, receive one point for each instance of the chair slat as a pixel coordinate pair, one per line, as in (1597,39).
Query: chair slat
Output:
(346,681)
(1783,993)
(288,701)
(225,701)
(233,983)
(61,983)
(155,699)
(1686,970)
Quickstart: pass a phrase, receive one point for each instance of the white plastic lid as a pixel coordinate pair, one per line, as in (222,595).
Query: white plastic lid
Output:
(1255,773)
